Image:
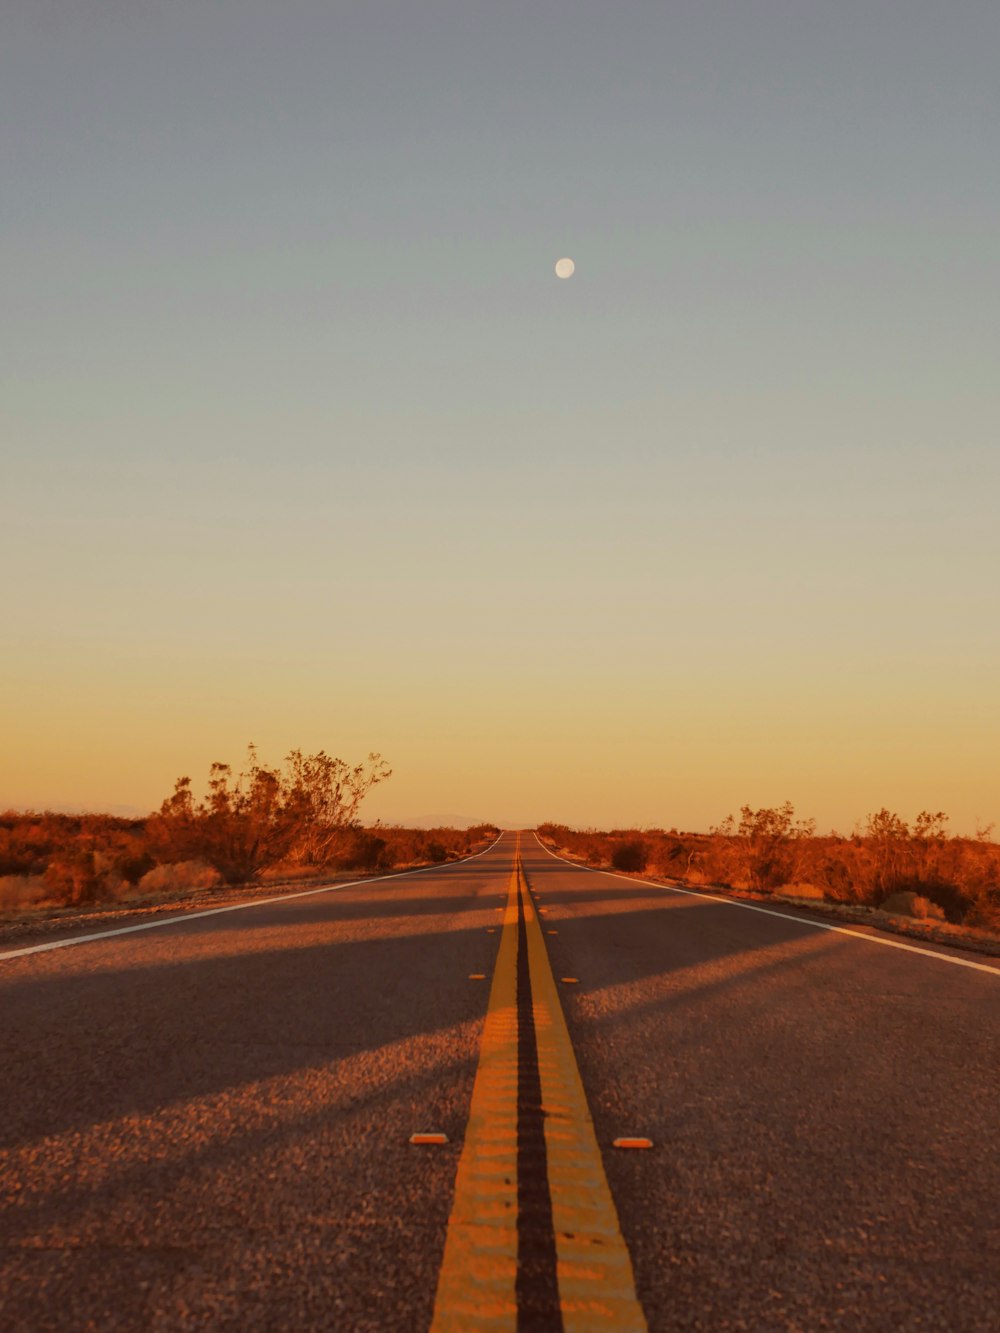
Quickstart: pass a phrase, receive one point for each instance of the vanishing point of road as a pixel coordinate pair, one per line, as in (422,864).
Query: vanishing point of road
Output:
(207,1124)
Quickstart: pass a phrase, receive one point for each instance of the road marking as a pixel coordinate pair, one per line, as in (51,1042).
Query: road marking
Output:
(477,976)
(530,1192)
(632,1143)
(232,907)
(479,1269)
(782,916)
(428,1140)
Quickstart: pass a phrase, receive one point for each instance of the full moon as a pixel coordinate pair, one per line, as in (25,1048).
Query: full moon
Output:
(565,268)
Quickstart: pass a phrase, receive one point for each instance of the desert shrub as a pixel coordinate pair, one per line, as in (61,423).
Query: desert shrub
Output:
(20,891)
(668,856)
(13,860)
(263,816)
(78,876)
(408,846)
(176,876)
(763,844)
(88,858)
(804,892)
(769,849)
(947,897)
(30,841)
(26,842)
(362,849)
(553,834)
(592,846)
(827,863)
(132,868)
(482,833)
(984,909)
(978,873)
(630,855)
(908,903)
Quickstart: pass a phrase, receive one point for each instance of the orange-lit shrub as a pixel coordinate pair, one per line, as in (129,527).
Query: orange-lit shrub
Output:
(908,903)
(630,854)
(20,891)
(77,860)
(263,816)
(178,876)
(768,849)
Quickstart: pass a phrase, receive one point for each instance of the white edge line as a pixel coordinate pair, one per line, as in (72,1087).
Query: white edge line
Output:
(782,916)
(237,907)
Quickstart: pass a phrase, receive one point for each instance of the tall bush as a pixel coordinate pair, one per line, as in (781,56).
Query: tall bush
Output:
(263,815)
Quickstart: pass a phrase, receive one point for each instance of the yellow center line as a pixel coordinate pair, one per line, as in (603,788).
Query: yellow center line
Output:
(479,1268)
(477,1283)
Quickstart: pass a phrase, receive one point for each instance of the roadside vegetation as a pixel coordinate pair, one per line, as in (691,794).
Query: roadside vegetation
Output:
(261,825)
(915,870)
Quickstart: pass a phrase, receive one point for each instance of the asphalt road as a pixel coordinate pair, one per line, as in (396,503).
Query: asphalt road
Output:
(206,1125)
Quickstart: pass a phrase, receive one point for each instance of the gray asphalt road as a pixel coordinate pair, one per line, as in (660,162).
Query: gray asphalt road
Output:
(826,1111)
(206,1125)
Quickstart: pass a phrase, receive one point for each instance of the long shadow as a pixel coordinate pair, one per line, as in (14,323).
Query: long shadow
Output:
(189,1207)
(234,1146)
(757,1053)
(466,876)
(81,1046)
(821,1106)
(332,910)
(337,908)
(602,893)
(90,1041)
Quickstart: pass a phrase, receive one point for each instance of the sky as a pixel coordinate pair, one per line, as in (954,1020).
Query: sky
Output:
(303,441)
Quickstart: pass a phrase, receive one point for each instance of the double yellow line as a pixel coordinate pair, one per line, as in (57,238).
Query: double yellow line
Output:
(524,1157)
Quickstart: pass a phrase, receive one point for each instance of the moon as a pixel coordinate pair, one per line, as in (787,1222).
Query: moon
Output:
(565,268)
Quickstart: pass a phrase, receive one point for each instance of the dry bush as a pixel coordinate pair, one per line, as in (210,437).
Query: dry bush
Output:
(669,856)
(18,892)
(769,849)
(630,854)
(908,903)
(761,849)
(590,845)
(262,817)
(79,860)
(83,857)
(407,846)
(803,892)
(179,876)
(81,874)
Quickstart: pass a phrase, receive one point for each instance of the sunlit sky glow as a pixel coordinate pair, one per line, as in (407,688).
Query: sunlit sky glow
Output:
(304,442)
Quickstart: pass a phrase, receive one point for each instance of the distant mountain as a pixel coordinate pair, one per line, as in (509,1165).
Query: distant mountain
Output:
(75,808)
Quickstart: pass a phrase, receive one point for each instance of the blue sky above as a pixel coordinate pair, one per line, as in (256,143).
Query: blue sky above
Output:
(292,400)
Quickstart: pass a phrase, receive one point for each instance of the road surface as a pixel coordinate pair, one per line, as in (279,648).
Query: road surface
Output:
(207,1124)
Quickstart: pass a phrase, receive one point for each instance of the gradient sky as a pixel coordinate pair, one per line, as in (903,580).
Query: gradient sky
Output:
(303,441)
